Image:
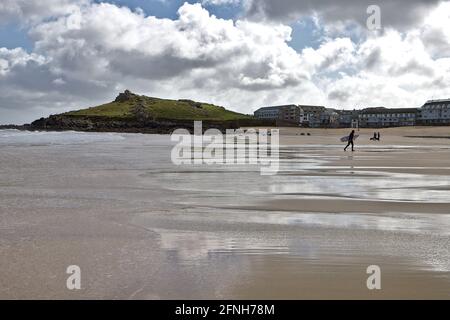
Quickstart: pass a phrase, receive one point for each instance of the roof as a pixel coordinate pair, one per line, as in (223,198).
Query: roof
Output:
(390,111)
(276,107)
(437,104)
(308,108)
(348,112)
(431,102)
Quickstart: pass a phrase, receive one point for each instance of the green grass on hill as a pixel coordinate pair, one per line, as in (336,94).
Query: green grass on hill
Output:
(161,109)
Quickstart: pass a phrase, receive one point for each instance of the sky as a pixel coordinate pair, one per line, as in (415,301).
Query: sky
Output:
(60,55)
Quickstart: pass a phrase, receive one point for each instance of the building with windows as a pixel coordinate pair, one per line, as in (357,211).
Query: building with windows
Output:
(329,118)
(383,117)
(287,113)
(313,115)
(347,118)
(435,112)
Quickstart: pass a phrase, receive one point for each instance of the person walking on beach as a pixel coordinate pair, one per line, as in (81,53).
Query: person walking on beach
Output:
(351,137)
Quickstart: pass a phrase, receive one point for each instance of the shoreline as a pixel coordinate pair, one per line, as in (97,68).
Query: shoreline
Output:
(149,130)
(141,228)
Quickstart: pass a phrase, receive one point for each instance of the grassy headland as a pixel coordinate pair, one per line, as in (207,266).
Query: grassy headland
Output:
(130,112)
(128,105)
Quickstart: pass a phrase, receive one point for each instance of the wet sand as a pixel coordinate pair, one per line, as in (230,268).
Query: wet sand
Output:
(141,228)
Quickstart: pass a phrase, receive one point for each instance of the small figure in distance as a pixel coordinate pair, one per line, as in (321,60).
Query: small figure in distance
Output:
(374,138)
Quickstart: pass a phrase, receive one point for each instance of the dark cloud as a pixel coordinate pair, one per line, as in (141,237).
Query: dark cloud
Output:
(338,95)
(164,66)
(436,42)
(373,59)
(412,66)
(396,13)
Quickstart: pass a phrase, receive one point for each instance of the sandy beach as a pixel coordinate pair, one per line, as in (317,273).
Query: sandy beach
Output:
(140,227)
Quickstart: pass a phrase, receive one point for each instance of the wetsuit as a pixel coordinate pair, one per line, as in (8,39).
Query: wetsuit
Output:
(350,141)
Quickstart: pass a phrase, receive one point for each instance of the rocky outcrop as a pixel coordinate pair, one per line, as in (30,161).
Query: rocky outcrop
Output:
(12,126)
(125,96)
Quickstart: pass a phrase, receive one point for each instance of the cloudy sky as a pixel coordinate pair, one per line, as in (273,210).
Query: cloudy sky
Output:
(58,55)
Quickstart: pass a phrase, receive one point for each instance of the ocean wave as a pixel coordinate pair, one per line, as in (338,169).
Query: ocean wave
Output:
(18,137)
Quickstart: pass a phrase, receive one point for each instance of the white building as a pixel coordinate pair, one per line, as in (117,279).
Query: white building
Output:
(435,112)
(267,113)
(383,117)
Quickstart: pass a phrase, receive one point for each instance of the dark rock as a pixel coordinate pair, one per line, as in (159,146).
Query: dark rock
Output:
(125,96)
(140,112)
(12,126)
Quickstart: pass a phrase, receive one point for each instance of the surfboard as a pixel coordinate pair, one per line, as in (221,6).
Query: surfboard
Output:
(345,139)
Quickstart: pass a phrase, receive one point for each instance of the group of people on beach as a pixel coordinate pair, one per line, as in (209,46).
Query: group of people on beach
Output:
(351,139)
(376,136)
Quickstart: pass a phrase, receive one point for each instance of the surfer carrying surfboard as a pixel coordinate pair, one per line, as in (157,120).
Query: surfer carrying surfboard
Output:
(351,137)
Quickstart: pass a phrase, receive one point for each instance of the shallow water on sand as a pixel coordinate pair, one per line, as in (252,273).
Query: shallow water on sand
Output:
(141,227)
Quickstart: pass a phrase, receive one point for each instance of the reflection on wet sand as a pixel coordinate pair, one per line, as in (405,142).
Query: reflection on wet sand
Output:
(311,231)
(142,228)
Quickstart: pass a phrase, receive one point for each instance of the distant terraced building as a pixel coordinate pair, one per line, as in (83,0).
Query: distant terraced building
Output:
(435,112)
(291,113)
(384,117)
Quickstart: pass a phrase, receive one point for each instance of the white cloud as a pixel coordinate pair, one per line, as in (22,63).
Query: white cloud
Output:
(33,11)
(87,53)
(331,56)
(394,70)
(106,40)
(14,57)
(436,31)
